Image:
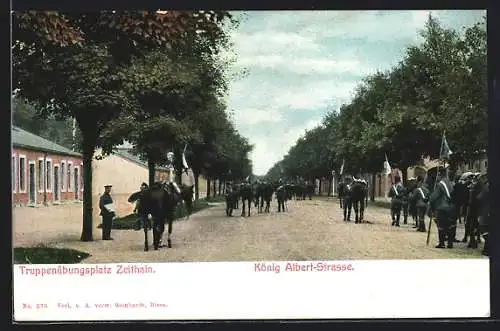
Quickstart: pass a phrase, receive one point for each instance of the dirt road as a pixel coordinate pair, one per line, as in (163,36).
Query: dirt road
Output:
(310,230)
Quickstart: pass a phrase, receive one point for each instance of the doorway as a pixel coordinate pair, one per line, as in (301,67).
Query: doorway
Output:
(32,183)
(76,182)
(56,184)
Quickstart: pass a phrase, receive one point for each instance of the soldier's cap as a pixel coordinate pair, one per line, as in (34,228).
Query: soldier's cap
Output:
(108,186)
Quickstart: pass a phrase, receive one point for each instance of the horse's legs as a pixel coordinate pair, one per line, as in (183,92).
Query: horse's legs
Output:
(340,201)
(169,240)
(356,211)
(146,244)
(249,206)
(156,234)
(261,204)
(268,206)
(242,207)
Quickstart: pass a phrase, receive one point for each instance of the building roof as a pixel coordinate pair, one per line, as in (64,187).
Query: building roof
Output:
(28,140)
(126,154)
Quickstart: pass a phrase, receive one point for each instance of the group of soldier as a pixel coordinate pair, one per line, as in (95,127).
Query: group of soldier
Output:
(446,201)
(439,198)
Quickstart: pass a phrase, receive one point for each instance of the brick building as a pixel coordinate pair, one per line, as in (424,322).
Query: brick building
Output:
(43,172)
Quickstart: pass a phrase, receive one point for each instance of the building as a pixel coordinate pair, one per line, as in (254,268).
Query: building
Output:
(125,172)
(44,172)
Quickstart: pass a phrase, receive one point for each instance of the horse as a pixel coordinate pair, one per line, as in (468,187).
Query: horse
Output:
(342,192)
(309,189)
(359,191)
(265,194)
(462,191)
(471,220)
(282,195)
(231,200)
(161,200)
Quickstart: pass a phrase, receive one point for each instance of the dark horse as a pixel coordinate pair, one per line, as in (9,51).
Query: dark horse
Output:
(161,200)
(472,218)
(264,194)
(342,192)
(359,192)
(282,195)
(246,194)
(231,199)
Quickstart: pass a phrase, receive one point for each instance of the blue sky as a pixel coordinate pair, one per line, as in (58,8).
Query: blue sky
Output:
(301,64)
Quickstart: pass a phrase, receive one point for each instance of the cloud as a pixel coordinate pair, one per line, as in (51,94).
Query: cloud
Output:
(267,152)
(250,116)
(303,63)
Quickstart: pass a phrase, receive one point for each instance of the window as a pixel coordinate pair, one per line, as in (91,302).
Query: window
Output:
(22,174)
(63,176)
(69,176)
(48,175)
(40,175)
(14,173)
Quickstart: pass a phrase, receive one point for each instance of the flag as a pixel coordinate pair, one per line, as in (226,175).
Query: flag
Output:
(445,151)
(387,166)
(184,162)
(342,167)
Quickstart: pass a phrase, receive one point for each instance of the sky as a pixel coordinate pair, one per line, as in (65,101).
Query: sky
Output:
(302,64)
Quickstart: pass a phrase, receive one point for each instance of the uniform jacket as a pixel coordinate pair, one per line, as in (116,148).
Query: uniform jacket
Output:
(420,196)
(105,199)
(396,193)
(442,197)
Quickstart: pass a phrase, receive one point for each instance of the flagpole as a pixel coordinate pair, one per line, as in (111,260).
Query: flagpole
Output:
(435,184)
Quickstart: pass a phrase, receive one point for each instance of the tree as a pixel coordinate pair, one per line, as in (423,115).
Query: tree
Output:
(439,85)
(71,63)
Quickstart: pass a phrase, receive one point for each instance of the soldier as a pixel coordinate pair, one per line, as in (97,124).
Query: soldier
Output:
(419,197)
(484,218)
(142,209)
(396,193)
(441,206)
(404,202)
(107,212)
(346,198)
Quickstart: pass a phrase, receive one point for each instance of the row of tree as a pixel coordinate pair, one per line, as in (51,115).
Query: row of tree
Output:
(440,86)
(153,78)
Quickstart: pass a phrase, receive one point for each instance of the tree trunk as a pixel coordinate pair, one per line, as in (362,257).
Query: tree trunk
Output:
(87,226)
(208,187)
(320,186)
(220,187)
(151,171)
(404,172)
(196,185)
(374,183)
(215,187)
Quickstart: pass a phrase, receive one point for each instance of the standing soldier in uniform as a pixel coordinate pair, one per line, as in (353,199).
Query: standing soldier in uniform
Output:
(396,193)
(419,197)
(404,202)
(346,198)
(106,213)
(441,206)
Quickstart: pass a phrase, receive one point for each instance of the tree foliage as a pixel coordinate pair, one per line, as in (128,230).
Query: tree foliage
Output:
(439,85)
(108,70)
